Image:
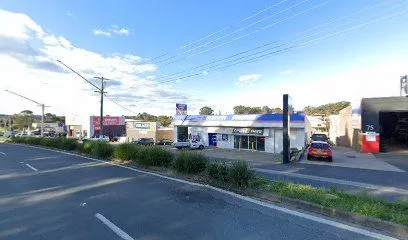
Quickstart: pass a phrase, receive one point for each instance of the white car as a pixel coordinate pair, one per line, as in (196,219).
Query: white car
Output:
(21,135)
(101,138)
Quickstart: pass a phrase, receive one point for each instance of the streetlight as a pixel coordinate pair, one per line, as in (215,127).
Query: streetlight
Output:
(42,105)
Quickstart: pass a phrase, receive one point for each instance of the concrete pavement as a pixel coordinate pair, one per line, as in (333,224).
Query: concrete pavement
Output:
(67,195)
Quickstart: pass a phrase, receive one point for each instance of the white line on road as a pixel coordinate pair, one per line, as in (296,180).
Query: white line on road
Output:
(113,227)
(3,153)
(33,168)
(337,181)
(311,217)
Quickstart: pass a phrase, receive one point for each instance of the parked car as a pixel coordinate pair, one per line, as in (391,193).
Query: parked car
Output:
(319,137)
(144,141)
(21,134)
(101,138)
(164,142)
(189,145)
(9,134)
(320,150)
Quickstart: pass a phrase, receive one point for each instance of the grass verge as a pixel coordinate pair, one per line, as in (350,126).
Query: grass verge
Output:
(356,203)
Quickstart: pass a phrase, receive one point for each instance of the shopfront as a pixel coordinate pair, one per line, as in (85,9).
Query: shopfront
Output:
(255,132)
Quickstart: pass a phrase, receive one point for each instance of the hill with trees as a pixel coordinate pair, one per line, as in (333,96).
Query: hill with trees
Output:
(326,109)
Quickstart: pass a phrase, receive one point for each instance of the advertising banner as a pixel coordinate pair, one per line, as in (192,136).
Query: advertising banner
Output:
(181,109)
(138,125)
(107,121)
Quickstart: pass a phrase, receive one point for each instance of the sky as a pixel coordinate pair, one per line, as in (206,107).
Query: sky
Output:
(215,53)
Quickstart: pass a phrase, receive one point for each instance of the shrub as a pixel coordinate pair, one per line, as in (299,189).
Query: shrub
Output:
(126,152)
(154,156)
(218,172)
(101,149)
(86,148)
(190,162)
(237,174)
(68,144)
(240,174)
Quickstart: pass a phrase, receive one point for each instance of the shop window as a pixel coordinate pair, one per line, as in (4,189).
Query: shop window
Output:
(260,144)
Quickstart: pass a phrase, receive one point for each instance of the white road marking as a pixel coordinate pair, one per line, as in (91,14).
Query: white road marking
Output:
(3,153)
(113,227)
(33,168)
(42,158)
(311,217)
(337,181)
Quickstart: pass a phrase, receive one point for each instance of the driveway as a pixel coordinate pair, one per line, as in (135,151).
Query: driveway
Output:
(350,158)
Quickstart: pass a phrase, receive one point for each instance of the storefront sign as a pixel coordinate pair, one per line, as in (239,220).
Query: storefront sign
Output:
(252,131)
(181,109)
(107,121)
(141,125)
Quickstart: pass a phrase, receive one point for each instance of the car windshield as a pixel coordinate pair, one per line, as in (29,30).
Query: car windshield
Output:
(319,145)
(319,137)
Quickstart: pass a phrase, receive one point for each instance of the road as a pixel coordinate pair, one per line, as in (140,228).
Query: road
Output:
(49,195)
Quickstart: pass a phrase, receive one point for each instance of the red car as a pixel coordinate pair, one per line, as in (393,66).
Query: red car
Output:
(320,150)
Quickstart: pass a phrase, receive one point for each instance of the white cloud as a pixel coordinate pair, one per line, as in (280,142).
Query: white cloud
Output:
(98,32)
(248,80)
(286,72)
(119,31)
(26,66)
(69,14)
(112,30)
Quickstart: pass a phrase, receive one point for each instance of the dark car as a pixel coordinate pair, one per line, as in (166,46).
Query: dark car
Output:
(320,150)
(144,141)
(165,142)
(321,137)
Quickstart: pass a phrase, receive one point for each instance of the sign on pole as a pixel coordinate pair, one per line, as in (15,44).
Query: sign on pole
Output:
(181,109)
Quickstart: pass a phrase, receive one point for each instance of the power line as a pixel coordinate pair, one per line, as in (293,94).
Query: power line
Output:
(200,67)
(219,31)
(267,55)
(248,34)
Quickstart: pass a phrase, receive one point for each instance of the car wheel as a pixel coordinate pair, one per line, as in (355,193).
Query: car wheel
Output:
(330,159)
(201,147)
(309,157)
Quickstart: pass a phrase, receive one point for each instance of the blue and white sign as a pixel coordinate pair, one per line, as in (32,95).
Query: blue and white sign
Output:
(181,109)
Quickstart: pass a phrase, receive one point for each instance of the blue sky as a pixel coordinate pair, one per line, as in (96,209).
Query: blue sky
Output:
(158,27)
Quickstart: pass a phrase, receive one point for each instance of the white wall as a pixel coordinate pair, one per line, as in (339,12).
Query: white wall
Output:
(297,139)
(225,144)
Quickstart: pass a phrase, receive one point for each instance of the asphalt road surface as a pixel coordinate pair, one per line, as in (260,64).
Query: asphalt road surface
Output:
(50,195)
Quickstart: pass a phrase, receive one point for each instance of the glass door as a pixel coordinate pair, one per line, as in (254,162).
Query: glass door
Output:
(236,141)
(252,143)
(244,142)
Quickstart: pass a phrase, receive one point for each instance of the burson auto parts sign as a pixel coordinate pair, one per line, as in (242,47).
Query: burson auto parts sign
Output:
(108,121)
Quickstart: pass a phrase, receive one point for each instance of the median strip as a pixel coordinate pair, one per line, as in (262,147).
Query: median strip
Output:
(32,168)
(113,227)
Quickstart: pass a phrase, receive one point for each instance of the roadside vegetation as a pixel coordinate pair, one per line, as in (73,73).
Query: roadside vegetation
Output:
(236,176)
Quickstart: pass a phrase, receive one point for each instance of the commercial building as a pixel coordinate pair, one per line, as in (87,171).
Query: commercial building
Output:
(384,124)
(89,126)
(259,132)
(136,129)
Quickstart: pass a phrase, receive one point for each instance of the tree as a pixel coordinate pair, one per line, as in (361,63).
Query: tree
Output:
(164,121)
(145,117)
(326,109)
(240,109)
(206,110)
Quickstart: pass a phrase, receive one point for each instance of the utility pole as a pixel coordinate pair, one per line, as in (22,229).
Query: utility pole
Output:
(42,105)
(99,90)
(404,86)
(102,93)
